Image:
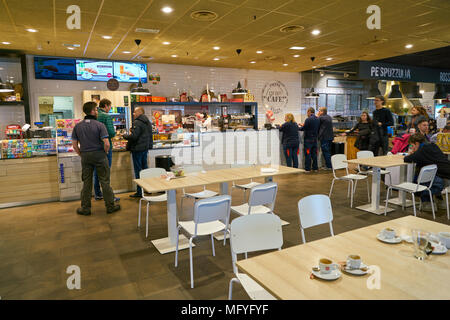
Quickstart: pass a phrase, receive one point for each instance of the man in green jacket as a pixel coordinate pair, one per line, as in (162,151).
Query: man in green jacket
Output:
(105,118)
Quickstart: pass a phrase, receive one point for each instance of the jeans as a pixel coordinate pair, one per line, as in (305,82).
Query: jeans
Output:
(436,188)
(291,156)
(97,190)
(326,150)
(139,163)
(90,161)
(311,152)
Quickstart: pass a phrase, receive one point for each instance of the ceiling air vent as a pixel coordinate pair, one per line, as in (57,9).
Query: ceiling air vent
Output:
(292,29)
(204,15)
(143,30)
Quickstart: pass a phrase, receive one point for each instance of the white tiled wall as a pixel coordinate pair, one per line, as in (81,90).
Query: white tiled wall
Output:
(175,79)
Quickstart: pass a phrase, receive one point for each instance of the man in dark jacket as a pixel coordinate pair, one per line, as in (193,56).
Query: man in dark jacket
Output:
(139,142)
(326,135)
(424,154)
(382,119)
(311,129)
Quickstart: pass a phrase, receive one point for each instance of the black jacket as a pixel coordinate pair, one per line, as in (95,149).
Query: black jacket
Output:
(290,137)
(326,128)
(429,153)
(364,131)
(311,128)
(384,116)
(141,137)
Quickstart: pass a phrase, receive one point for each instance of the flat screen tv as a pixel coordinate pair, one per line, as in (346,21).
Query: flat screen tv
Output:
(54,68)
(130,72)
(94,70)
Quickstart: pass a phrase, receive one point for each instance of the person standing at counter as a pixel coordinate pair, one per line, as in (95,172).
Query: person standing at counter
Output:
(418,114)
(104,117)
(382,118)
(139,142)
(290,140)
(90,142)
(311,129)
(365,128)
(326,135)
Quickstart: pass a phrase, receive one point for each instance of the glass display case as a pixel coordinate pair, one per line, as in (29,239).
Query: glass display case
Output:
(176,140)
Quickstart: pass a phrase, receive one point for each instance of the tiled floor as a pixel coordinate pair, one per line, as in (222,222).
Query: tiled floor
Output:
(39,242)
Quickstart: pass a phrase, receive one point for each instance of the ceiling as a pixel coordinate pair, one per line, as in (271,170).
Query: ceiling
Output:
(249,25)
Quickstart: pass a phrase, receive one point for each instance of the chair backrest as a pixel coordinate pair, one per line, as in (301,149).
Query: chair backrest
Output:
(314,210)
(212,209)
(151,173)
(427,174)
(364,154)
(337,161)
(255,232)
(263,194)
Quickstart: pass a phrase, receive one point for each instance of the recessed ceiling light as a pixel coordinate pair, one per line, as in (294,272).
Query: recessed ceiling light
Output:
(6,42)
(315,32)
(296,48)
(32,30)
(71,48)
(216,48)
(174,56)
(285,64)
(314,67)
(408,46)
(329,59)
(252,61)
(259,51)
(107,37)
(296,55)
(167,9)
(126,52)
(166,43)
(216,59)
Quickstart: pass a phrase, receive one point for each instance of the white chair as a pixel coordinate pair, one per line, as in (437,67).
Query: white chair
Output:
(196,195)
(446,191)
(208,217)
(426,176)
(255,232)
(247,186)
(315,210)
(369,154)
(337,163)
(150,173)
(261,200)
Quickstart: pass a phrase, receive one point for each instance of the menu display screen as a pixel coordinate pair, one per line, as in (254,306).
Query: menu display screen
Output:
(54,68)
(94,70)
(130,72)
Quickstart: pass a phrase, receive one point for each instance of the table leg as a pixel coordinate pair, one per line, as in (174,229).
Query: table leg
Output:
(374,207)
(166,245)
(405,175)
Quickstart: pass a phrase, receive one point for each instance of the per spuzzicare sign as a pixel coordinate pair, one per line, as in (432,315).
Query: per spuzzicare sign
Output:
(275,95)
(398,72)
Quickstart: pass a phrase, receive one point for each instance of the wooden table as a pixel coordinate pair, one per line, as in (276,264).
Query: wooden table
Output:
(383,162)
(223,177)
(286,273)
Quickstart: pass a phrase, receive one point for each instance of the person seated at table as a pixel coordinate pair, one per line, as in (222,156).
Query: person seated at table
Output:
(418,114)
(424,129)
(446,129)
(423,154)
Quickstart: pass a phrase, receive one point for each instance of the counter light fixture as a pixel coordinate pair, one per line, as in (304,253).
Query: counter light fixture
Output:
(315,32)
(297,48)
(139,90)
(395,93)
(311,94)
(32,30)
(440,93)
(415,94)
(167,9)
(374,91)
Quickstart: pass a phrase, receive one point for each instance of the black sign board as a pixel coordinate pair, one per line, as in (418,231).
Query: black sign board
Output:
(398,72)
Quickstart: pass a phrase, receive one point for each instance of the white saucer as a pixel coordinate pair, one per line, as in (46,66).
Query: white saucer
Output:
(333,275)
(395,240)
(357,272)
(439,248)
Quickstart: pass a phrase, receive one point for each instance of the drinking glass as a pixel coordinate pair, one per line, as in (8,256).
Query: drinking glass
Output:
(420,239)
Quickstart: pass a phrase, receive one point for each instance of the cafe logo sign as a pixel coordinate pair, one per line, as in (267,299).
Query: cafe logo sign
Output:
(275,95)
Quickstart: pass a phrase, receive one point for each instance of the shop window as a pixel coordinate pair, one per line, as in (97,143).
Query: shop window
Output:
(55,107)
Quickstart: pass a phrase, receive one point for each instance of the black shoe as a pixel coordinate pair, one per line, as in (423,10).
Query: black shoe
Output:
(135,195)
(113,209)
(84,212)
(98,197)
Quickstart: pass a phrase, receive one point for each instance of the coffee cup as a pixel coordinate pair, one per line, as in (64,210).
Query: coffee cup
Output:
(389,233)
(326,266)
(445,239)
(353,261)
